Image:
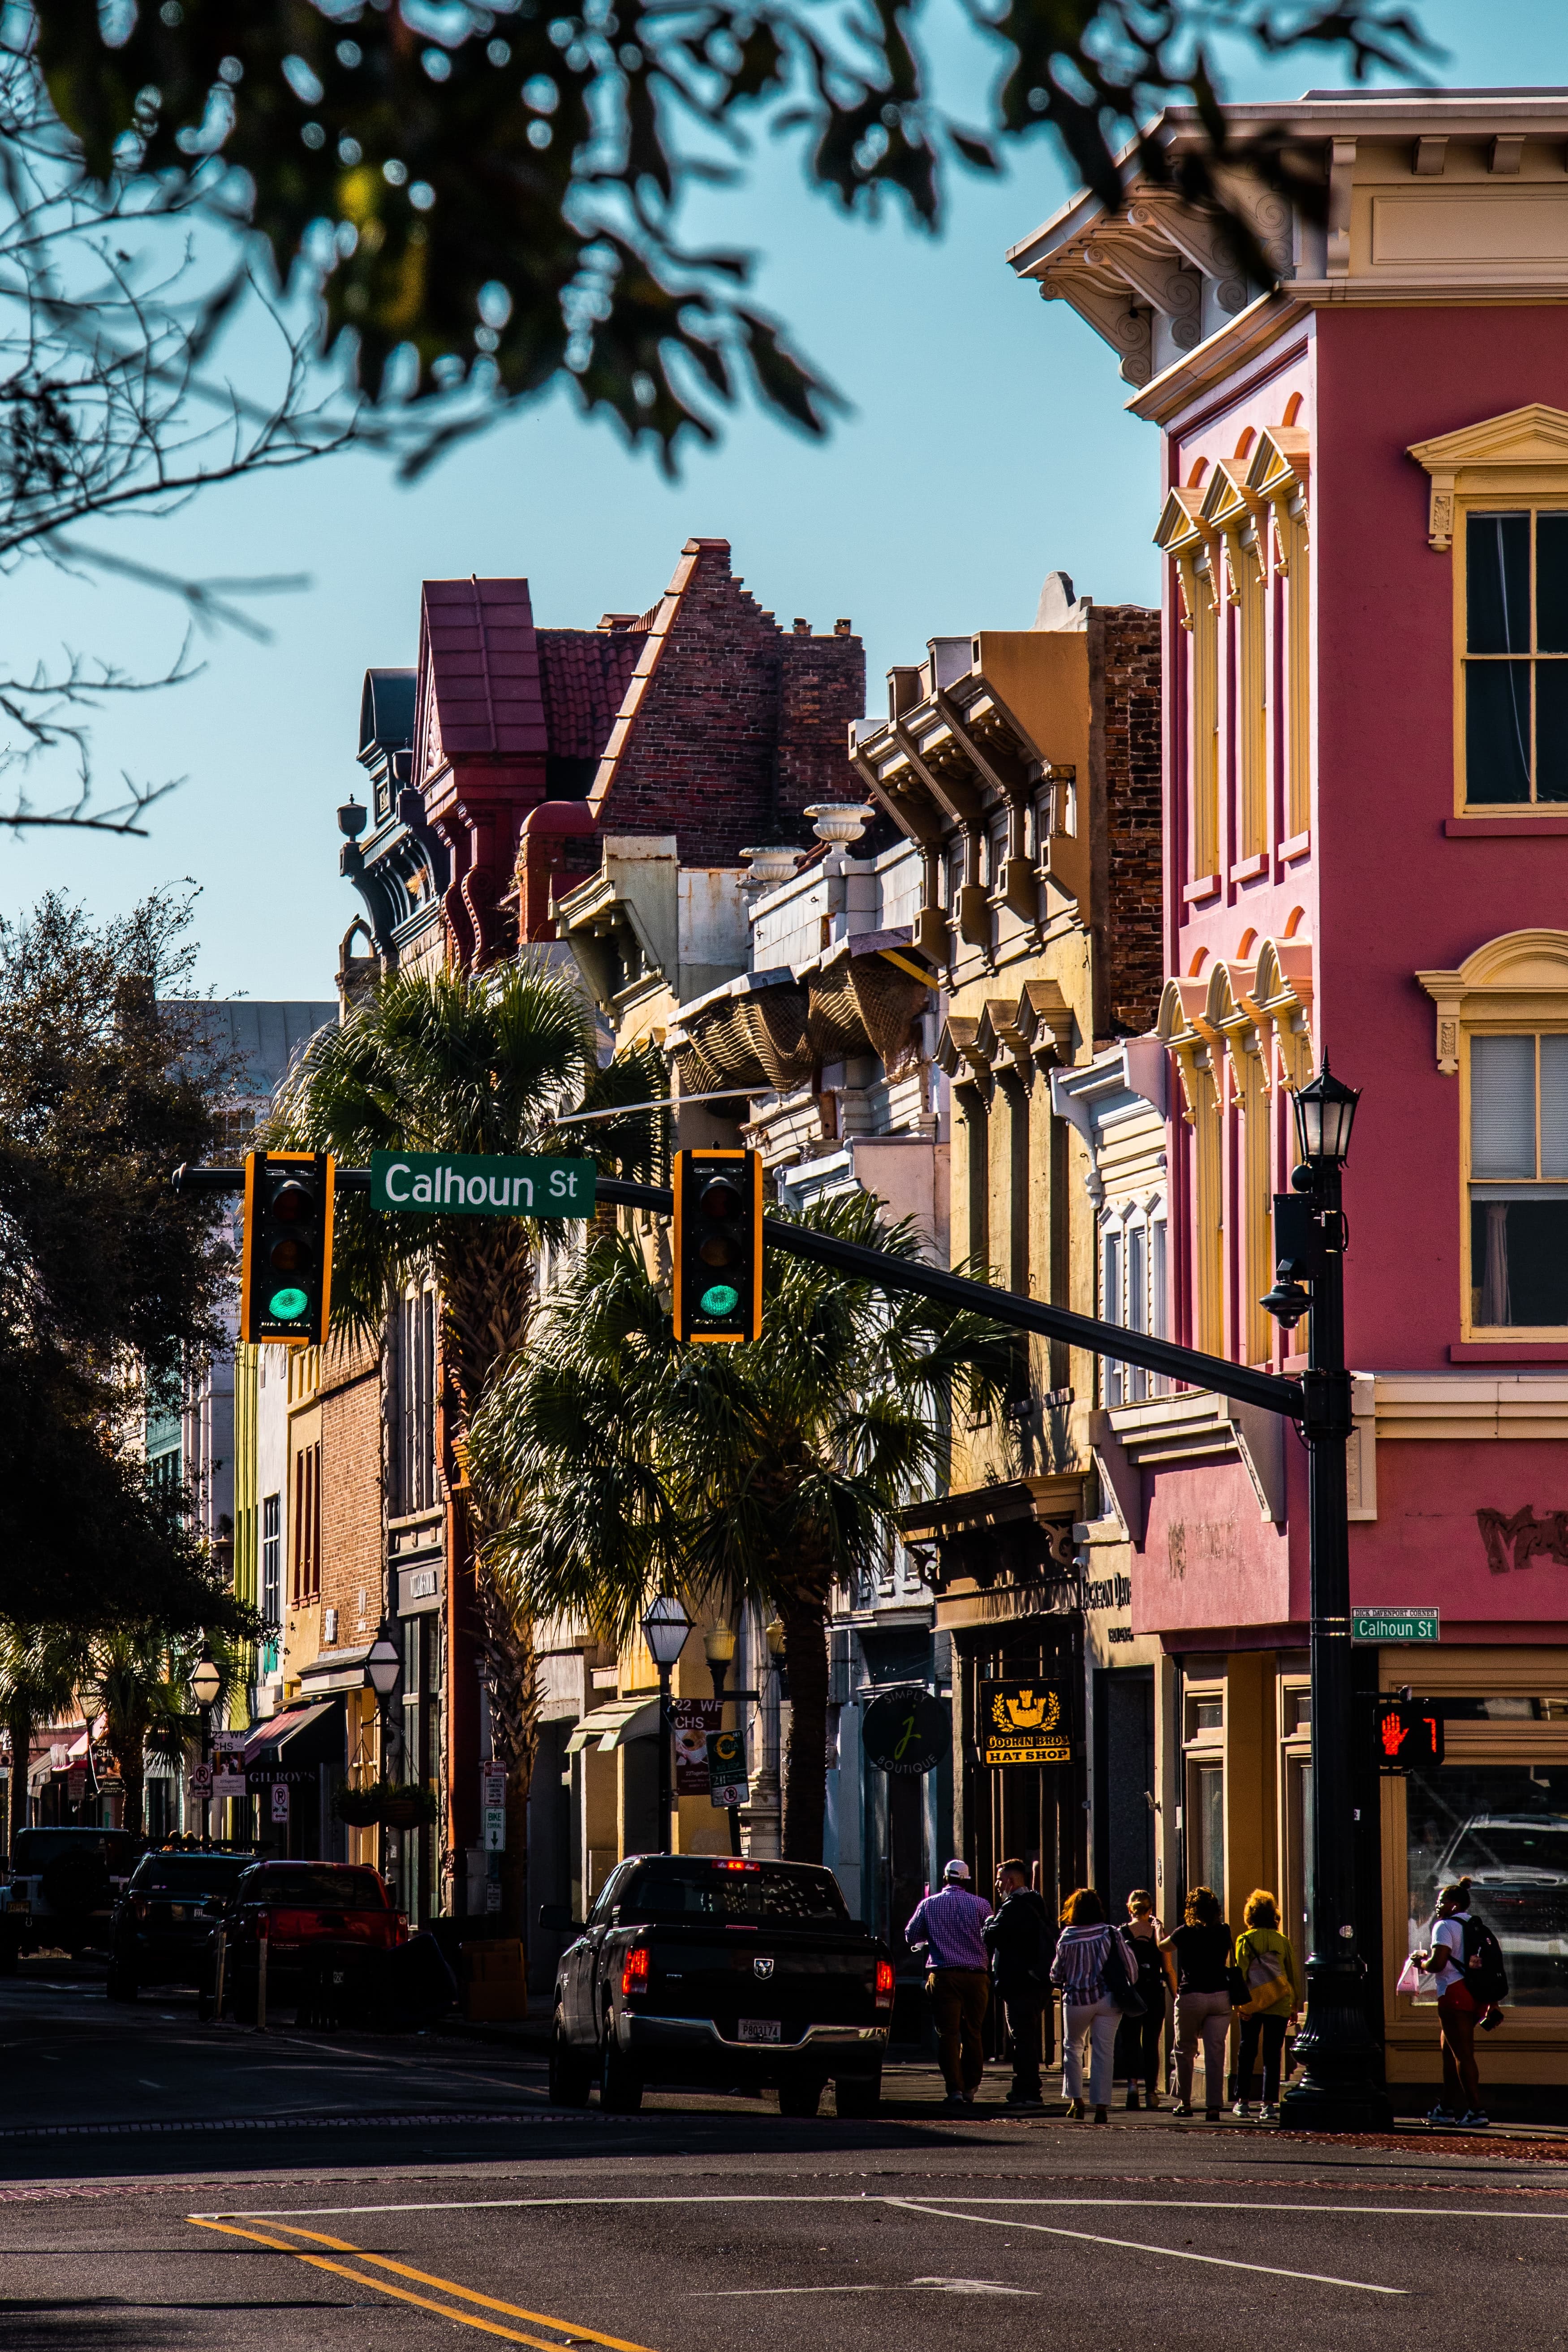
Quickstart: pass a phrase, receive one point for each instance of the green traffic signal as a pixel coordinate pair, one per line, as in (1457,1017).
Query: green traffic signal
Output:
(721,1299)
(288,1304)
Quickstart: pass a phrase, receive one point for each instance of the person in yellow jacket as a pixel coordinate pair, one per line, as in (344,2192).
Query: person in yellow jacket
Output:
(1266,1961)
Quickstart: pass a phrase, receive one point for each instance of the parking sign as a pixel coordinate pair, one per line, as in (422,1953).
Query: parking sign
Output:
(280,1800)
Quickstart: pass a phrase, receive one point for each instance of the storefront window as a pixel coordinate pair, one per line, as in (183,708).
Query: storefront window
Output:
(1505,1828)
(1206,1850)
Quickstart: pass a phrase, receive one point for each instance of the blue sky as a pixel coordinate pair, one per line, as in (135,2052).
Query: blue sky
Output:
(986,447)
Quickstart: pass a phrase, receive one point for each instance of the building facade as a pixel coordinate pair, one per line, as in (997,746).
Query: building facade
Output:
(1364,469)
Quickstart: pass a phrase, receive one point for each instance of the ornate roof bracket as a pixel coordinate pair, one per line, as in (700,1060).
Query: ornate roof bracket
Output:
(1043,1021)
(954,798)
(958,1054)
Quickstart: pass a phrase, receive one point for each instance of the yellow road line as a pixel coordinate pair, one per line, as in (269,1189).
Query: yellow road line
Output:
(447,2286)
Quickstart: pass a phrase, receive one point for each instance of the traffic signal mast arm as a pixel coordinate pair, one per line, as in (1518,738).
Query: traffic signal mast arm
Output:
(1265,1390)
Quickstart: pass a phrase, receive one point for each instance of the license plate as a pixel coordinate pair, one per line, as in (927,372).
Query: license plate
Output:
(760,2029)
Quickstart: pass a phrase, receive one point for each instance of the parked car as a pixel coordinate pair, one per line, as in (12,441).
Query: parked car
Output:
(1517,1867)
(709,1971)
(165,1923)
(63,1888)
(327,1925)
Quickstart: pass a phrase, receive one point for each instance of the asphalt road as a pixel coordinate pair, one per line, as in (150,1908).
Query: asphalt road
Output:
(207,2188)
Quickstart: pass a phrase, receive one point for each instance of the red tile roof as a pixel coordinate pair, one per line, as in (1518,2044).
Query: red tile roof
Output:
(479,668)
(584,674)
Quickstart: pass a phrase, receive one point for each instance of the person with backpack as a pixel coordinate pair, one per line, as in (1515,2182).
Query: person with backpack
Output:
(1466,1960)
(1267,1962)
(1022,1944)
(1093,1965)
(1138,2042)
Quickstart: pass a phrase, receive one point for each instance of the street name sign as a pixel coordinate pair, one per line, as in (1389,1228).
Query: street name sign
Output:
(1395,1625)
(466,1184)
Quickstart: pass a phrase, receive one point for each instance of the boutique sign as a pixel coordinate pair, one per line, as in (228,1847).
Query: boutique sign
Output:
(466,1184)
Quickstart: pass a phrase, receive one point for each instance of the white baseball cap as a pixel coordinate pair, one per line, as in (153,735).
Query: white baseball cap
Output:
(956,1869)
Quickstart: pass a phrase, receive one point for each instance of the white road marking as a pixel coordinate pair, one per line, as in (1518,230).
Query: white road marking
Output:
(941,2287)
(1136,2246)
(865,2197)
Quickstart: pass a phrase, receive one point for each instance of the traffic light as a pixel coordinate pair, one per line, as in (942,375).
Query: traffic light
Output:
(286,1274)
(717,1245)
(1409,1733)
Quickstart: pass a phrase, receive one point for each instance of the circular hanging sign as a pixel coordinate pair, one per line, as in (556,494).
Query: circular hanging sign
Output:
(906,1731)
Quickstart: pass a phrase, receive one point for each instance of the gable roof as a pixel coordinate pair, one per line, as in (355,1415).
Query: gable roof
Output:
(479,693)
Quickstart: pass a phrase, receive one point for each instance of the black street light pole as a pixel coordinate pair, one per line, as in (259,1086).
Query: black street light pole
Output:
(1341,2088)
(719,1643)
(664,1629)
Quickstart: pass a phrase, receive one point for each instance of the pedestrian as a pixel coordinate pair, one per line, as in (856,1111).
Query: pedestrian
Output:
(1087,1946)
(1138,2041)
(1267,1963)
(1198,1961)
(949,1927)
(1022,1944)
(1466,1961)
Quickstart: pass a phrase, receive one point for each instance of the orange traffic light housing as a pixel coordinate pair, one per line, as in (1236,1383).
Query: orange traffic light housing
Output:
(286,1268)
(717,1245)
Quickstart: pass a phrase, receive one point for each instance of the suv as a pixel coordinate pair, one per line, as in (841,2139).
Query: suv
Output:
(328,1926)
(164,1929)
(64,1886)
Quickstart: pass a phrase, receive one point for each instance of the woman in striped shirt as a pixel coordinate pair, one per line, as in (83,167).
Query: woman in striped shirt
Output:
(1088,2010)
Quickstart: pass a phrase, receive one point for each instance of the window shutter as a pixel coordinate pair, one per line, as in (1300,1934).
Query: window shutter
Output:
(1555,1106)
(1502,1107)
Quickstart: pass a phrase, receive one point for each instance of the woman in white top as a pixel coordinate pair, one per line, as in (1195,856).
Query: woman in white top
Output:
(1457,2009)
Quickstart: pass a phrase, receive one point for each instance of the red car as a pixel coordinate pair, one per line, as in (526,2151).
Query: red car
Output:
(326,1925)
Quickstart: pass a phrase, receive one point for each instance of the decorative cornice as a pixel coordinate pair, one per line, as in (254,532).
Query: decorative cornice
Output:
(1517,977)
(1483,457)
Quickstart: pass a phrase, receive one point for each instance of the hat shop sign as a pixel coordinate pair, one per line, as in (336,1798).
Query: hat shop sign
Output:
(1022,1723)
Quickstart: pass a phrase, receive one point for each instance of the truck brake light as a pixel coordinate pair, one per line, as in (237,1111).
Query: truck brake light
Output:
(884,1984)
(635,1974)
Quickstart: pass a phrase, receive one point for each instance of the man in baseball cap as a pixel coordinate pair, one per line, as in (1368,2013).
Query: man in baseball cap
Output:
(947,1926)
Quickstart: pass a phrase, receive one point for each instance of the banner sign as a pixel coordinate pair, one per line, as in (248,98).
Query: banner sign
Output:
(1023,1723)
(463,1184)
(906,1731)
(229,1784)
(1395,1625)
(690,1721)
(727,1782)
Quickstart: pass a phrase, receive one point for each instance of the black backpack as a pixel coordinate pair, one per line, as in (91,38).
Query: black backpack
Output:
(1484,1972)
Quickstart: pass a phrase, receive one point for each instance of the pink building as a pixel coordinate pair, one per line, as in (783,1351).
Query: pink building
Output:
(1366,517)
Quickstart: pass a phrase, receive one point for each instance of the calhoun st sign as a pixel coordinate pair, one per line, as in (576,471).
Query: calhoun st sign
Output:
(465,1185)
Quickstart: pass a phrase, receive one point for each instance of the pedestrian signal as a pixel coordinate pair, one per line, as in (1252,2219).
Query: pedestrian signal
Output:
(717,1245)
(1409,1733)
(286,1272)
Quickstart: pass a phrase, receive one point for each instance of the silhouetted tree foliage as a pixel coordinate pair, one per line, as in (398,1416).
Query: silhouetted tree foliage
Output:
(106,1274)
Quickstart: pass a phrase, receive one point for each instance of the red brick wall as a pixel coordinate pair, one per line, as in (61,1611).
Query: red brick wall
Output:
(1133,952)
(351,1491)
(740,727)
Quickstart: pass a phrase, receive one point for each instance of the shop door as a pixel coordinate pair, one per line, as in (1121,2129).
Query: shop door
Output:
(907,1870)
(1034,1813)
(1123,1782)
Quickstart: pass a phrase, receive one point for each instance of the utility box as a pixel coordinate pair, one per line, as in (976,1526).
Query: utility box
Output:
(494,1980)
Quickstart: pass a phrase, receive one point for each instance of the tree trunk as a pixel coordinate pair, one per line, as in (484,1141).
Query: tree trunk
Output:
(133,1766)
(511,1663)
(20,1724)
(806,1766)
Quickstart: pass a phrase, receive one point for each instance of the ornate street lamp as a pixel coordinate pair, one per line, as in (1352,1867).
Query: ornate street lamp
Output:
(1340,2089)
(205,1684)
(384,1671)
(664,1629)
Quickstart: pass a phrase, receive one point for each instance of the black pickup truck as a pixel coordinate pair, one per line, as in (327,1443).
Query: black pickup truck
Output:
(720,1974)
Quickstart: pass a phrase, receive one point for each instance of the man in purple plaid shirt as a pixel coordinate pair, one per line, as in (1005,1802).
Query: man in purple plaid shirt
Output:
(947,1927)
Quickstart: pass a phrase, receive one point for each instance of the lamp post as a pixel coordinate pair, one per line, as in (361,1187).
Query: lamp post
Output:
(1338,2090)
(205,1684)
(384,1671)
(664,1629)
(719,1643)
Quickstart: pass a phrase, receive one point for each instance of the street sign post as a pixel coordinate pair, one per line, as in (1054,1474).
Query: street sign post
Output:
(199,1782)
(727,1781)
(466,1184)
(492,1806)
(1395,1625)
(281,1800)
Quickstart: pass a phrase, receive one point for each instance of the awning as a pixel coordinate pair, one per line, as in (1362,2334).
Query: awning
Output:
(297,1740)
(335,1670)
(611,1726)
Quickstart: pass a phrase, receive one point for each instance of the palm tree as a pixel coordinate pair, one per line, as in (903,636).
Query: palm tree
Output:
(139,1680)
(482,1063)
(41,1668)
(617,1461)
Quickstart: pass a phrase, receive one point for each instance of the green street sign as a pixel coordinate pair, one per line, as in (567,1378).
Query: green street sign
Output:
(466,1184)
(1395,1625)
